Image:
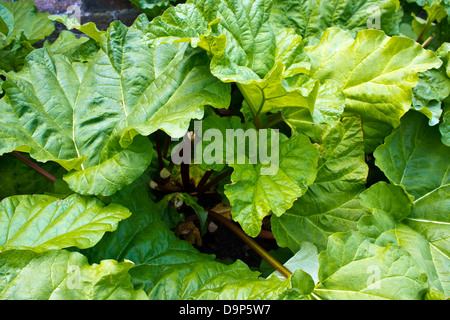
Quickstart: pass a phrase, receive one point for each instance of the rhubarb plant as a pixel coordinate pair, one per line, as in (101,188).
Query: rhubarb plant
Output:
(314,135)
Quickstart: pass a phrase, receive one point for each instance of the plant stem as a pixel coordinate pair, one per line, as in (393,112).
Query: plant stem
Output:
(425,28)
(185,177)
(166,147)
(224,112)
(252,243)
(315,296)
(267,235)
(258,122)
(204,179)
(274,119)
(216,180)
(427,42)
(34,166)
(158,149)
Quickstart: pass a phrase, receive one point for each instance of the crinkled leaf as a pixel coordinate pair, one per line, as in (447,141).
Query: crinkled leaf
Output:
(310,18)
(12,56)
(444,53)
(89,29)
(258,188)
(273,93)
(246,51)
(40,222)
(251,48)
(211,281)
(444,128)
(23,17)
(329,106)
(353,267)
(63,275)
(433,87)
(185,22)
(254,194)
(86,115)
(21,25)
(79,49)
(389,222)
(385,67)
(267,76)
(414,157)
(154,8)
(330,205)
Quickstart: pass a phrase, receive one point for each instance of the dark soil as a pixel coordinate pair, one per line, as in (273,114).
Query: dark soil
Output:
(223,243)
(227,246)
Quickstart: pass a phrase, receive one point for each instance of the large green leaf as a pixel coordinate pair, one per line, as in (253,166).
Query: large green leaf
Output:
(82,48)
(258,188)
(40,222)
(259,58)
(254,194)
(213,281)
(310,18)
(389,223)
(246,51)
(23,17)
(267,64)
(377,77)
(250,51)
(163,261)
(414,157)
(85,116)
(63,275)
(21,25)
(353,267)
(331,204)
(328,108)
